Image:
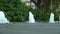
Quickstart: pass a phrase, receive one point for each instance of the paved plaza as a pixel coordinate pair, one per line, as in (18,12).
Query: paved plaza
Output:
(38,28)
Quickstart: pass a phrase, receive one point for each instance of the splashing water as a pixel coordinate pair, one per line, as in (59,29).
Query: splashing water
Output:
(3,19)
(51,20)
(31,18)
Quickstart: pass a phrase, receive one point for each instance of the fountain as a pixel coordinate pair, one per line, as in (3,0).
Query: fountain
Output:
(3,18)
(59,18)
(31,18)
(51,20)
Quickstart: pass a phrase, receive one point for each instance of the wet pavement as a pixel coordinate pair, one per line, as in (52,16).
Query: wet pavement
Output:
(25,28)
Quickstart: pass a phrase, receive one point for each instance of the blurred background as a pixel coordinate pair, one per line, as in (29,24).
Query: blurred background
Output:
(18,10)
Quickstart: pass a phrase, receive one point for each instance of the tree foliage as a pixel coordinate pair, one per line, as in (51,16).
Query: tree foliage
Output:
(45,7)
(17,11)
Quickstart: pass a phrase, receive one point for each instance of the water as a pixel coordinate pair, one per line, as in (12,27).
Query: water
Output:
(51,20)
(31,18)
(59,18)
(3,19)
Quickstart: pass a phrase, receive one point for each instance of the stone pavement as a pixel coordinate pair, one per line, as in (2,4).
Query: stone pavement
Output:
(38,28)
